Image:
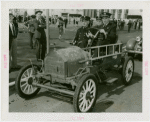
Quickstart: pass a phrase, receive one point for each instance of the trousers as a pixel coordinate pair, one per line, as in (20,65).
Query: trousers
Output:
(13,54)
(31,39)
(40,48)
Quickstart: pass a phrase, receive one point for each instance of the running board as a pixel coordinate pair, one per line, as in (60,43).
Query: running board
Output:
(110,80)
(54,89)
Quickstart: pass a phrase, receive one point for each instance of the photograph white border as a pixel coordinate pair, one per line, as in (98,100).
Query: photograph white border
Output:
(6,116)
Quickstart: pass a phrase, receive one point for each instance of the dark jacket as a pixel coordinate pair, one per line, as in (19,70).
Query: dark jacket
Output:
(31,25)
(39,31)
(81,37)
(11,36)
(111,36)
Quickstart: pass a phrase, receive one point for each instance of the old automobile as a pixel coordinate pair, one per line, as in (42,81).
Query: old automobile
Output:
(75,72)
(134,47)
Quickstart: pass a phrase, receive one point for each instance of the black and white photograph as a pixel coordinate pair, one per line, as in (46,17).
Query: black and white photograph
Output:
(79,60)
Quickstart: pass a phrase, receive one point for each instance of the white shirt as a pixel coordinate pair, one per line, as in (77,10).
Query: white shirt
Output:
(11,26)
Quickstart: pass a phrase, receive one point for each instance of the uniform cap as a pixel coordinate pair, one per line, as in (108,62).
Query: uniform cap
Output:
(38,11)
(33,16)
(87,18)
(105,14)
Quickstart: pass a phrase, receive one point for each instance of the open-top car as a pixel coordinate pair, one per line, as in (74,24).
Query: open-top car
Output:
(75,72)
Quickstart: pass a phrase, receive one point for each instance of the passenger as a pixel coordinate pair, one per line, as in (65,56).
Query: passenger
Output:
(99,23)
(81,40)
(109,29)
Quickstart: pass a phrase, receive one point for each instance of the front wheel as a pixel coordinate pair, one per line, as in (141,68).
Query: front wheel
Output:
(128,70)
(85,94)
(24,81)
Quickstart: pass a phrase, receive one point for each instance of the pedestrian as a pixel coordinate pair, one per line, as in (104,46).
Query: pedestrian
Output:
(13,32)
(129,26)
(135,24)
(61,28)
(40,35)
(31,30)
(139,25)
(123,23)
(66,22)
(119,24)
(74,21)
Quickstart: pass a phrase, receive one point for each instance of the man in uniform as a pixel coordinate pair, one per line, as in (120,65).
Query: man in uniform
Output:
(81,40)
(40,35)
(99,23)
(108,29)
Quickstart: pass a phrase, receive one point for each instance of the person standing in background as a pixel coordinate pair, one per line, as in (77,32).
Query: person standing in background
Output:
(31,29)
(74,21)
(66,22)
(13,32)
(129,26)
(40,35)
(60,26)
(135,24)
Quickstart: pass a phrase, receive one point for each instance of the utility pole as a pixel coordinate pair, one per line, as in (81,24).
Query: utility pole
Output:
(47,30)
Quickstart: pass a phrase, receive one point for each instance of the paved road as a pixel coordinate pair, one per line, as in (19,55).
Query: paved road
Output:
(116,98)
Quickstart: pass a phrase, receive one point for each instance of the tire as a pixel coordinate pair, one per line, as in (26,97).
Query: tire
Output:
(90,102)
(127,69)
(28,82)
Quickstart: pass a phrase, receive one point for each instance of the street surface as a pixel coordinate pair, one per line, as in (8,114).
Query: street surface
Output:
(115,98)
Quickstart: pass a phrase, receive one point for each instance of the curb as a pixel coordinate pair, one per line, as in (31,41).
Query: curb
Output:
(12,83)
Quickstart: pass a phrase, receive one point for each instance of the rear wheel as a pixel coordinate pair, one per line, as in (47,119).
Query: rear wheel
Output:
(128,70)
(24,81)
(85,94)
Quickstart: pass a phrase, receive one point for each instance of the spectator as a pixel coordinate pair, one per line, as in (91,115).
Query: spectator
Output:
(74,21)
(135,24)
(13,32)
(60,26)
(66,22)
(40,35)
(31,29)
(129,26)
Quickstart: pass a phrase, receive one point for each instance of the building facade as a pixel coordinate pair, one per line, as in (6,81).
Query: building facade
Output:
(116,13)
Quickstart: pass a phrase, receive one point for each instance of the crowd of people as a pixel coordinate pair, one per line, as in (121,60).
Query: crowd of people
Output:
(37,23)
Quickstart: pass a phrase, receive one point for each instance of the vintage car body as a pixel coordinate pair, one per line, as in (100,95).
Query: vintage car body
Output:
(64,62)
(134,47)
(76,72)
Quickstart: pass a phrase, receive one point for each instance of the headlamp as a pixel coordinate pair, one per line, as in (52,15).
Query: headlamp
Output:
(138,38)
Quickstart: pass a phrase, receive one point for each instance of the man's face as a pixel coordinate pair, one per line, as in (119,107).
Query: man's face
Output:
(99,22)
(105,20)
(11,17)
(38,15)
(85,23)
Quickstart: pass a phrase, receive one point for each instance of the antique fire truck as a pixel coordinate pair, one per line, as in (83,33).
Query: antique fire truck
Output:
(75,72)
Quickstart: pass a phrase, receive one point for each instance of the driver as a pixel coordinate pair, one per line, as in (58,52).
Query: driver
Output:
(81,40)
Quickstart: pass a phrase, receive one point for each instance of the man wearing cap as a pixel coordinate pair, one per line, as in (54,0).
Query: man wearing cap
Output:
(99,23)
(40,35)
(81,40)
(108,29)
(30,25)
